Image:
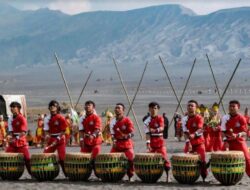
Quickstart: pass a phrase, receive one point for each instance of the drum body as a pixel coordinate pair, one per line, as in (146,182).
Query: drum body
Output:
(78,166)
(228,167)
(186,167)
(148,166)
(44,166)
(11,166)
(111,167)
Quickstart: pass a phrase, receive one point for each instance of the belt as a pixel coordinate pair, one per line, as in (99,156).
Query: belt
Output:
(122,139)
(156,135)
(55,134)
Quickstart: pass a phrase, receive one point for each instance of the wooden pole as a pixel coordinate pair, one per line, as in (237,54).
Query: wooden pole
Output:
(64,80)
(215,82)
(123,86)
(183,92)
(84,86)
(138,87)
(164,68)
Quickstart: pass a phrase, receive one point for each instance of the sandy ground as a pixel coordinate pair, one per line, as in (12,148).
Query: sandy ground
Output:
(173,147)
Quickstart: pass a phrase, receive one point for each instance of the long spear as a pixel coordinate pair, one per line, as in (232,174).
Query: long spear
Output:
(230,81)
(183,92)
(84,86)
(64,80)
(171,84)
(138,87)
(123,86)
(215,82)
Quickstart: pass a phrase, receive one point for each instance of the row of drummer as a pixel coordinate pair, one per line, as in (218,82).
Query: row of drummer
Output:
(233,127)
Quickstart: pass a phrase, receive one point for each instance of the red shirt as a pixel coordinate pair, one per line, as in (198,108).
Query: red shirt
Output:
(235,124)
(55,124)
(191,125)
(120,127)
(156,138)
(18,124)
(91,125)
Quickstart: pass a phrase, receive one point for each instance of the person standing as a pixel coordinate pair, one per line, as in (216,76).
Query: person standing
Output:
(90,128)
(17,127)
(154,126)
(54,127)
(234,131)
(192,126)
(122,131)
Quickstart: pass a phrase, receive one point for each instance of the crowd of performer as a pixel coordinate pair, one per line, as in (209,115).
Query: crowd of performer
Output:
(203,129)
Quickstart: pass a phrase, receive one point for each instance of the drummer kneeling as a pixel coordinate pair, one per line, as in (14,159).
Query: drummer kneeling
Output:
(122,130)
(154,126)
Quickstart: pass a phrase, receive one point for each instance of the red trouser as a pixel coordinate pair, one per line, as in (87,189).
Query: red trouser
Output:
(24,150)
(241,146)
(216,144)
(164,154)
(95,150)
(200,149)
(60,147)
(130,155)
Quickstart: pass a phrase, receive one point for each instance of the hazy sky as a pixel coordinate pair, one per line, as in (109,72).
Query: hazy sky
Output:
(77,6)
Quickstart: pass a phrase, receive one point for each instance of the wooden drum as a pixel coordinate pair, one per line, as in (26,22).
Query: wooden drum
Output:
(78,166)
(11,166)
(186,167)
(44,166)
(111,167)
(228,167)
(149,166)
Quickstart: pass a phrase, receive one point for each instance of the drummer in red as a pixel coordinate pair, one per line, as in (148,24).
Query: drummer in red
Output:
(192,125)
(90,131)
(122,130)
(54,127)
(17,126)
(154,126)
(234,128)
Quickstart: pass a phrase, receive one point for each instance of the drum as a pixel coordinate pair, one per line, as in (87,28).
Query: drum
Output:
(78,166)
(44,166)
(228,167)
(111,167)
(11,166)
(149,166)
(186,167)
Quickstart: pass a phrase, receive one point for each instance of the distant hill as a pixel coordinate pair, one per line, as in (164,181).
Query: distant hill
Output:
(29,38)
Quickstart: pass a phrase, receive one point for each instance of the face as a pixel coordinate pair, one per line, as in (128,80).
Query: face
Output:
(89,108)
(191,108)
(119,110)
(14,110)
(53,109)
(233,108)
(153,110)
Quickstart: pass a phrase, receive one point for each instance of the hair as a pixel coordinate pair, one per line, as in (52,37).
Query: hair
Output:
(90,102)
(194,101)
(234,102)
(15,104)
(153,104)
(121,104)
(56,104)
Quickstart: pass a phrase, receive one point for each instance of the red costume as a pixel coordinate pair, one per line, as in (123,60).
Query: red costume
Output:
(39,131)
(157,144)
(192,126)
(55,125)
(122,131)
(17,125)
(215,135)
(91,127)
(248,124)
(236,124)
